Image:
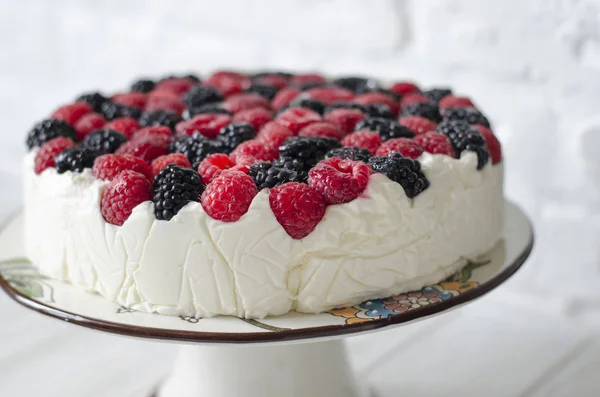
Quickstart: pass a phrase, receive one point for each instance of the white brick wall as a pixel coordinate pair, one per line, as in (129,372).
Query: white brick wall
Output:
(534,68)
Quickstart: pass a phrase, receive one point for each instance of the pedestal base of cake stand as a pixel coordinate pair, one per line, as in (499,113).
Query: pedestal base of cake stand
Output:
(318,369)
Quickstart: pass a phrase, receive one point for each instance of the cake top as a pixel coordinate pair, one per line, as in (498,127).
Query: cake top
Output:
(310,140)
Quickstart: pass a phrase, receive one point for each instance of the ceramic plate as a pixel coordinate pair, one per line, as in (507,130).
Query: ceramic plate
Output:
(61,300)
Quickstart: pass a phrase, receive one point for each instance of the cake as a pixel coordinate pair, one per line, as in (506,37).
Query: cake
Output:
(254,195)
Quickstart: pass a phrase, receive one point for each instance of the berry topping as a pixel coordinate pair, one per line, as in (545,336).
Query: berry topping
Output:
(277,80)
(284,97)
(436,94)
(94,99)
(355,84)
(451,101)
(256,117)
(254,149)
(164,101)
(403,87)
(470,115)
(267,90)
(302,153)
(74,159)
(163,161)
(160,117)
(238,102)
(113,111)
(228,83)
(492,143)
(46,130)
(216,108)
(368,140)
(89,123)
(125,125)
(266,175)
(235,133)
(322,128)
(402,170)
(144,133)
(418,125)
(208,125)
(309,78)
(406,147)
(387,129)
(147,148)
(201,95)
(427,110)
(122,195)
(435,143)
(104,141)
(297,118)
(345,119)
(297,207)
(307,103)
(71,113)
(374,98)
(195,147)
(213,165)
(274,134)
(378,110)
(463,137)
(350,153)
(176,85)
(329,95)
(339,180)
(133,99)
(44,158)
(143,85)
(228,196)
(412,98)
(108,166)
(173,188)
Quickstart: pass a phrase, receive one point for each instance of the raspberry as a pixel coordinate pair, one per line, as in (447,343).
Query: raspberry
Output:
(297,118)
(297,207)
(134,99)
(267,175)
(89,123)
(412,98)
(403,87)
(125,125)
(201,95)
(113,111)
(451,101)
(163,161)
(208,125)
(213,165)
(143,85)
(406,147)
(46,130)
(469,115)
(310,78)
(266,90)
(74,159)
(435,143)
(436,94)
(239,102)
(147,148)
(164,102)
(274,80)
(274,134)
(71,113)
(94,99)
(228,83)
(339,180)
(160,117)
(418,125)
(427,110)
(492,143)
(373,98)
(144,133)
(369,140)
(284,97)
(350,153)
(404,171)
(104,141)
(345,119)
(256,117)
(108,166)
(173,188)
(387,129)
(307,103)
(255,149)
(355,84)
(329,95)
(122,195)
(235,133)
(44,158)
(322,128)
(228,196)
(176,85)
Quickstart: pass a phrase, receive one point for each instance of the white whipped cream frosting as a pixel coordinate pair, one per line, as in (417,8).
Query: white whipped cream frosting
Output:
(380,244)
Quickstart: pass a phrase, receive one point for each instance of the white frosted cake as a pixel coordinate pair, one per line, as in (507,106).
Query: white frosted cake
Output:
(256,195)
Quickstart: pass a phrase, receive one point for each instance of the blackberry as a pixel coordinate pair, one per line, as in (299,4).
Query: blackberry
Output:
(470,115)
(74,159)
(258,75)
(104,141)
(159,117)
(403,170)
(355,84)
(173,188)
(370,110)
(266,90)
(233,134)
(350,153)
(430,111)
(310,84)
(195,147)
(435,94)
(143,85)
(201,95)
(94,99)
(267,175)
(307,103)
(46,130)
(387,129)
(190,76)
(463,137)
(301,153)
(210,108)
(113,111)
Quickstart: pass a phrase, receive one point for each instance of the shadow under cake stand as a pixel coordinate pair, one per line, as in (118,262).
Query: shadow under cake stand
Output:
(295,355)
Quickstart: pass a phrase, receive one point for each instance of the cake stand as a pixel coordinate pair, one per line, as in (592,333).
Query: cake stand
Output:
(296,355)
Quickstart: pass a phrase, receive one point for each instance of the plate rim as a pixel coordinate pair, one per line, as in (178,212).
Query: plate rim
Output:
(325,331)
